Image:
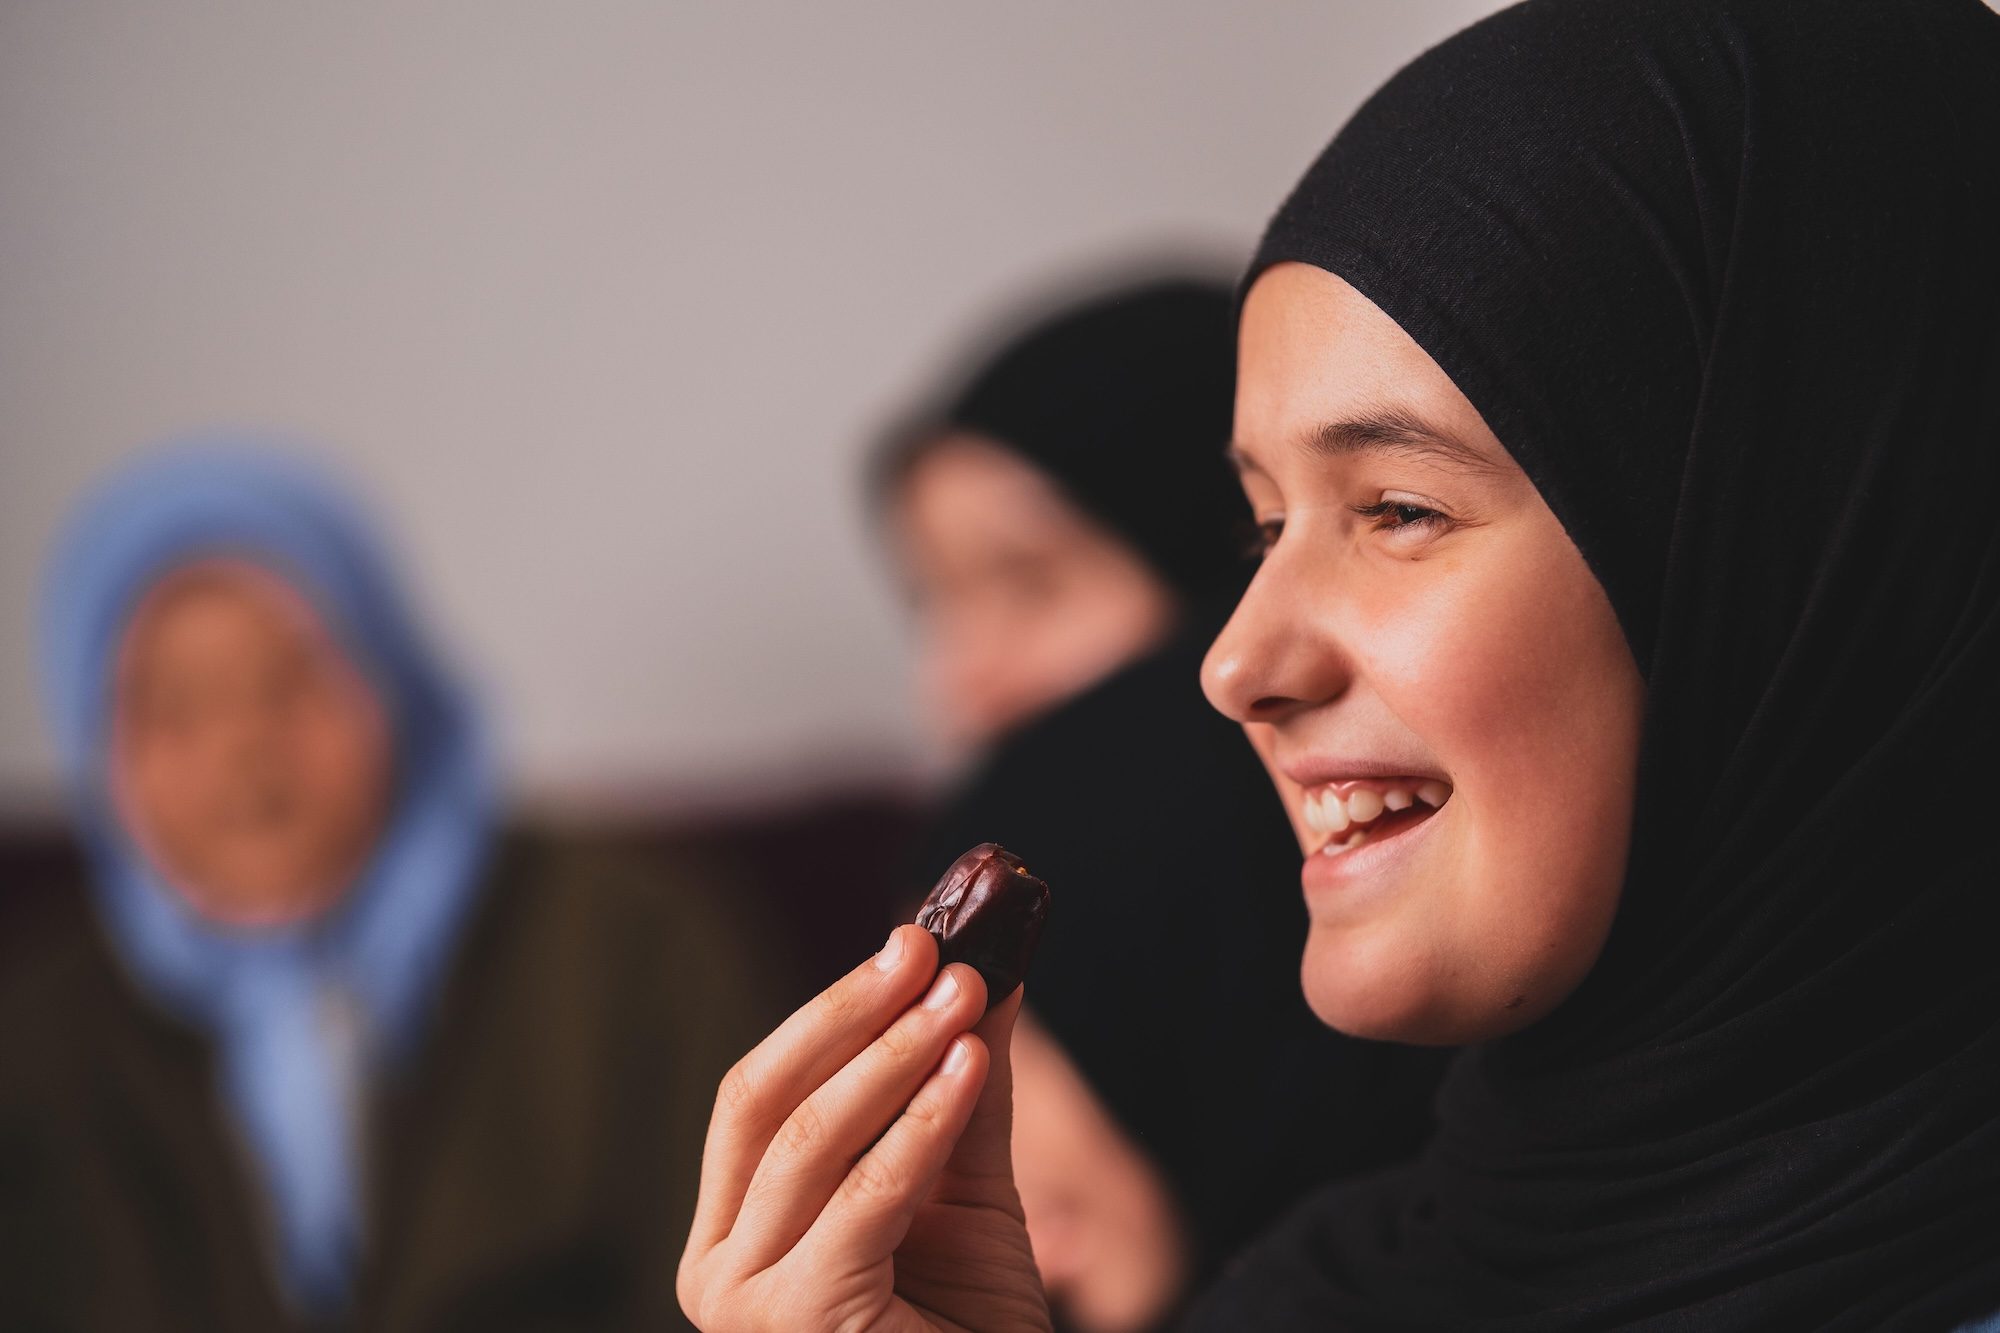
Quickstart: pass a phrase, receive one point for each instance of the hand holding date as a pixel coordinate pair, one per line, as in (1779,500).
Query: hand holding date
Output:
(857,1171)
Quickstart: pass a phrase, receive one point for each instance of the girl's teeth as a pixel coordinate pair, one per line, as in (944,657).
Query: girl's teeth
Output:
(1315,820)
(1334,812)
(1326,813)
(1336,847)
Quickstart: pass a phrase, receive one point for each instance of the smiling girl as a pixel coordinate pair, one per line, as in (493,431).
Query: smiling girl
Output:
(1620,396)
(1435,680)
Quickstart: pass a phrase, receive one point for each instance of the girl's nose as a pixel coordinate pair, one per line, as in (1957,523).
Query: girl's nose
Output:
(1273,658)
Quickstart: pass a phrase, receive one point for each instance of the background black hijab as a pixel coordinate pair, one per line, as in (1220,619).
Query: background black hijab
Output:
(1170,969)
(1724,276)
(1123,400)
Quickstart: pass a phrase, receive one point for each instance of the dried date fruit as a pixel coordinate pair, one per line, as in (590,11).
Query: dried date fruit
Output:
(988,911)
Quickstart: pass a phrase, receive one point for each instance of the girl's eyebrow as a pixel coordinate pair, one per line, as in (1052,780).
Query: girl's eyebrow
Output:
(1389,431)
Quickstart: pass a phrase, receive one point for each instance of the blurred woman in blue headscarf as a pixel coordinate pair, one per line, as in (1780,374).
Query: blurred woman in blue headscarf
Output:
(288,807)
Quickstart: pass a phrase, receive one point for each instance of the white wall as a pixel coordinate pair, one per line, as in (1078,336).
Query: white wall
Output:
(600,301)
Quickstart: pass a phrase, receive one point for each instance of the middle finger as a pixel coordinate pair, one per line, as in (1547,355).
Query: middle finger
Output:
(817,1145)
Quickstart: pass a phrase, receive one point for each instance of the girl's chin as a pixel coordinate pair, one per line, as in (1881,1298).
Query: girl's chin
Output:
(1358,1000)
(1379,1007)
(1365,994)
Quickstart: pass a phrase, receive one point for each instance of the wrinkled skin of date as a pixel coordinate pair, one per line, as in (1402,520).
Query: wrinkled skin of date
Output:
(988,911)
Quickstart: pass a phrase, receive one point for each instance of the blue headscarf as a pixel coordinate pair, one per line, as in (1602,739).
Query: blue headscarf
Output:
(302,1015)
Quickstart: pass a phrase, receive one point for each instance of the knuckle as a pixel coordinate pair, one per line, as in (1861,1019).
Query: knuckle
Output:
(840,1005)
(900,1044)
(802,1133)
(873,1182)
(779,1297)
(925,1112)
(736,1095)
(687,1291)
(691,1291)
(856,1315)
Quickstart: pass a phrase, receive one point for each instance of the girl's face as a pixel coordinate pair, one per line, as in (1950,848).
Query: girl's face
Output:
(250,759)
(1432,675)
(1021,598)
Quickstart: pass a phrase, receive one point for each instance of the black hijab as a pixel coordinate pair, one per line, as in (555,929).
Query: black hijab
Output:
(1123,400)
(1724,276)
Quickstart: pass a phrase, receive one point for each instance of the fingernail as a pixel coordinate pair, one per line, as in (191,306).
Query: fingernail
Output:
(956,1055)
(891,953)
(943,991)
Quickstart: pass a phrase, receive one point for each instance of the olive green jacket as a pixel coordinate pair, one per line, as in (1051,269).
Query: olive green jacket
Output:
(534,1169)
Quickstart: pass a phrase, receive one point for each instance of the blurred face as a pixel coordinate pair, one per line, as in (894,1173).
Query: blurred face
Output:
(1431,673)
(1022,600)
(1105,1229)
(250,760)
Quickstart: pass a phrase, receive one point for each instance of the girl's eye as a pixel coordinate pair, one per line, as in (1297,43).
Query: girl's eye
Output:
(1262,538)
(1394,515)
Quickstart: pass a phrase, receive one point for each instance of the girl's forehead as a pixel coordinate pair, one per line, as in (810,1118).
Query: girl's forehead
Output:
(1326,374)
(1312,345)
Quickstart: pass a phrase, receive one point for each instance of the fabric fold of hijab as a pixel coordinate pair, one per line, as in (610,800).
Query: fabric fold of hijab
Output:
(1722,276)
(289,1071)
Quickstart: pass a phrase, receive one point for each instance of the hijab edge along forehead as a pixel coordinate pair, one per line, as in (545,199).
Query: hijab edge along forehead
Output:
(1482,251)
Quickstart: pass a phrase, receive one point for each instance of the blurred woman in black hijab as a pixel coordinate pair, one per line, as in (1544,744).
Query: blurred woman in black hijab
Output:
(1063,612)
(1034,567)
(1620,402)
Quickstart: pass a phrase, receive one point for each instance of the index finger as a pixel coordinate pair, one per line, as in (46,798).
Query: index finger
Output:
(767,1085)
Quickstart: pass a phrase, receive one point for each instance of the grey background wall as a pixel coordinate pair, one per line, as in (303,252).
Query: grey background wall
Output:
(600,301)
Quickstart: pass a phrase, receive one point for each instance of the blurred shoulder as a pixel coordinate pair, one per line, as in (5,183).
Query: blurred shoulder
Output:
(607,876)
(619,913)
(60,983)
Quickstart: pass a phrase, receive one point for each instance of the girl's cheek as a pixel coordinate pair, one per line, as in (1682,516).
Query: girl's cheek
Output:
(1444,663)
(1482,645)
